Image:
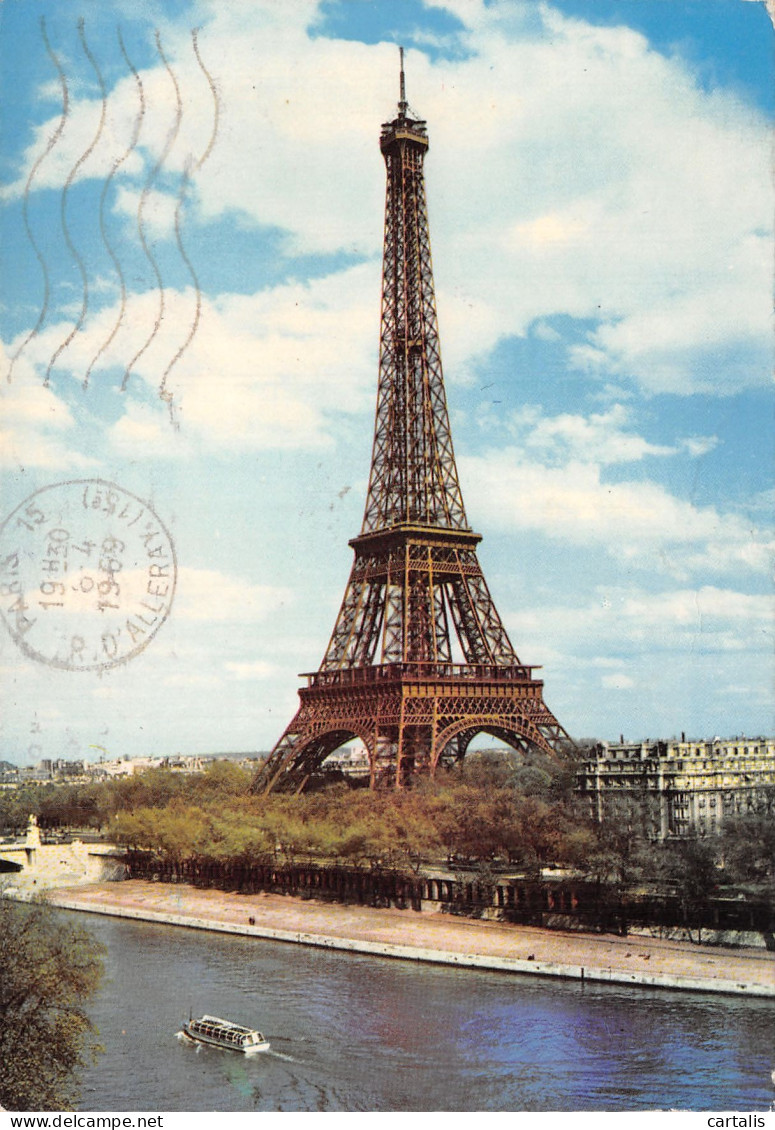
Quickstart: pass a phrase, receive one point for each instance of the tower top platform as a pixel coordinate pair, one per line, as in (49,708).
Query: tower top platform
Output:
(403,127)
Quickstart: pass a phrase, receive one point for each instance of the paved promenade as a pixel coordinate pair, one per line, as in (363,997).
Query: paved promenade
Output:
(651,962)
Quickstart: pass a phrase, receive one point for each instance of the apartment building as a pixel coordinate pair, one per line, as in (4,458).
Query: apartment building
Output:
(683,787)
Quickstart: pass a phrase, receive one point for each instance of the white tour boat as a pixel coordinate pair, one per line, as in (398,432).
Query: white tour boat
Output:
(225,1034)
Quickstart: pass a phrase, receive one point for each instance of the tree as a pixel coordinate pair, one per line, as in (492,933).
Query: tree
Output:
(624,854)
(48,970)
(221,780)
(692,867)
(748,848)
(621,855)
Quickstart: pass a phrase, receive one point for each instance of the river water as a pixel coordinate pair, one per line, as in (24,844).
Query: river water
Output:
(355,1033)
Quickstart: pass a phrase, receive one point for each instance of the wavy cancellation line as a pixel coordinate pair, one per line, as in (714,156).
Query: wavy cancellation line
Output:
(52,141)
(171,137)
(103,199)
(192,165)
(195,166)
(63,208)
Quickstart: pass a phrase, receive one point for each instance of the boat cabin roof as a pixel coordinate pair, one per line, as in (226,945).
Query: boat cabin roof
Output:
(228,1025)
(225,1029)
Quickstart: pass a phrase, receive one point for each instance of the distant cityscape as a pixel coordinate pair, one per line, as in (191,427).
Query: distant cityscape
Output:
(684,787)
(61,769)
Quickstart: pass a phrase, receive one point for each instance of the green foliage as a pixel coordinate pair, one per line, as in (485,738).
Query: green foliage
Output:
(748,848)
(692,866)
(487,808)
(154,789)
(488,811)
(49,969)
(16,805)
(622,853)
(222,779)
(75,806)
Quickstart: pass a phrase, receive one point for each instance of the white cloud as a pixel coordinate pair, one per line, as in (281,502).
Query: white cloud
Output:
(151,123)
(154,210)
(255,670)
(144,431)
(618,682)
(208,595)
(627,195)
(276,369)
(603,438)
(684,342)
(573,170)
(638,522)
(190,679)
(695,446)
(35,424)
(620,658)
(686,622)
(271,370)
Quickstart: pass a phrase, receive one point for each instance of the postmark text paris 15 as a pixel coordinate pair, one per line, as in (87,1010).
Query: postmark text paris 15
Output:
(87,575)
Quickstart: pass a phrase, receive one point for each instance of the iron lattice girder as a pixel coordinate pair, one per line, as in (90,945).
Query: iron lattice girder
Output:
(416,598)
(413,472)
(402,584)
(397,708)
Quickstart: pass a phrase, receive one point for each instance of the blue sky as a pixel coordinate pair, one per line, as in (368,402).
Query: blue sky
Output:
(600,203)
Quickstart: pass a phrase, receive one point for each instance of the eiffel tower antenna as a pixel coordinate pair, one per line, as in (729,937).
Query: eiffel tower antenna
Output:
(402,103)
(419,660)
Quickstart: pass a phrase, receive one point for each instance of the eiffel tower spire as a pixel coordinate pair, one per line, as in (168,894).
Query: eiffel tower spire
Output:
(419,660)
(413,474)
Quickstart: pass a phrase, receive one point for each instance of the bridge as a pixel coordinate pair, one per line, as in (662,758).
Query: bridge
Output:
(30,865)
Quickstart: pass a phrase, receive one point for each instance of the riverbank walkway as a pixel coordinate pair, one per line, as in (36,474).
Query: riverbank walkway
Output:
(438,938)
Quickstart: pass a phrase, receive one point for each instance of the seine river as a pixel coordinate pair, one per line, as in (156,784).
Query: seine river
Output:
(353,1033)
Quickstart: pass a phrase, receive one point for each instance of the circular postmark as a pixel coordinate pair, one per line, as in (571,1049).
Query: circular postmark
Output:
(87,575)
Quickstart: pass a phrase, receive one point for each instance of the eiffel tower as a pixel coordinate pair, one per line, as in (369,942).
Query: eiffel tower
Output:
(419,660)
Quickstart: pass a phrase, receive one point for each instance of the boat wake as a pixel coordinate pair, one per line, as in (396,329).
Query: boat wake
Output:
(281,1055)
